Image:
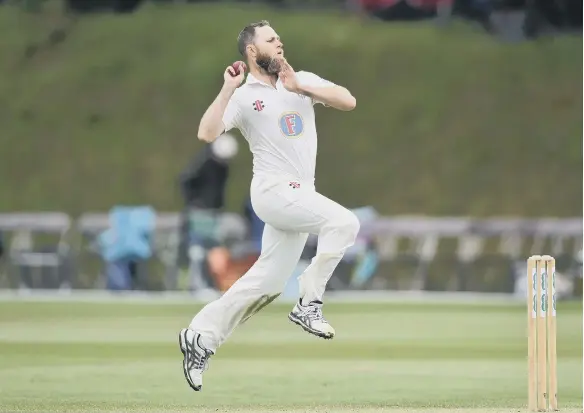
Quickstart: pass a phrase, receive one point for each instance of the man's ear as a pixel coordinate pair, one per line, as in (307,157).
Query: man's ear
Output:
(251,51)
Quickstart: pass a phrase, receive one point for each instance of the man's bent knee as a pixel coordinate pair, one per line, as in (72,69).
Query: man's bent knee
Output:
(346,227)
(351,226)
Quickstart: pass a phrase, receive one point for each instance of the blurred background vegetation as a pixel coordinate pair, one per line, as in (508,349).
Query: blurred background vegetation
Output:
(449,121)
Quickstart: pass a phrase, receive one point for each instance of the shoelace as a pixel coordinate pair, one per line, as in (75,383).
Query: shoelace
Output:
(314,313)
(195,359)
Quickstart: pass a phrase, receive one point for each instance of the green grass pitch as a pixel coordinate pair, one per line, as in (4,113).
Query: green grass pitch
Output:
(413,357)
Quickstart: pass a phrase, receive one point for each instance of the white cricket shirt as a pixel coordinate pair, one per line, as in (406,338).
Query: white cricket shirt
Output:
(279,125)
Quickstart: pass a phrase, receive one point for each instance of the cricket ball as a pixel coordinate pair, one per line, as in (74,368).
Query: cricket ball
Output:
(239,67)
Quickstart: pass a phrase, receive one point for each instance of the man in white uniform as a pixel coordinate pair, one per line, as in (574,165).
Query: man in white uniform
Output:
(274,111)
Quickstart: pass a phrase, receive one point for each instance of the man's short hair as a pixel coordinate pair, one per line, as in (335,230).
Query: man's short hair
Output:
(247,35)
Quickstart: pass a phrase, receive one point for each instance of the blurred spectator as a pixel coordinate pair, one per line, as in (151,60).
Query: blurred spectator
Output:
(126,244)
(552,15)
(477,10)
(404,9)
(90,6)
(203,186)
(203,181)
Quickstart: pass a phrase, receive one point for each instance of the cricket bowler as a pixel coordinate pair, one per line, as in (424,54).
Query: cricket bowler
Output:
(274,110)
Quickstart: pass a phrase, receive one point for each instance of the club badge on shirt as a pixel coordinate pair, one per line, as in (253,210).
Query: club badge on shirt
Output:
(291,124)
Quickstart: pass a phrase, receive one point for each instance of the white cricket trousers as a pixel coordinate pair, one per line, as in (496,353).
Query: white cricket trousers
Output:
(291,210)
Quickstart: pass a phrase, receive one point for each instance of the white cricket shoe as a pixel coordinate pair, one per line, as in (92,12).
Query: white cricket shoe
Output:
(310,318)
(196,357)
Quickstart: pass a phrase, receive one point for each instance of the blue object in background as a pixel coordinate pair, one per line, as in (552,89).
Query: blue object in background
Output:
(128,240)
(292,288)
(256,225)
(129,235)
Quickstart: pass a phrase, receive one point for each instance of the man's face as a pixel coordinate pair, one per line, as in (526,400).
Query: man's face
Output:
(269,50)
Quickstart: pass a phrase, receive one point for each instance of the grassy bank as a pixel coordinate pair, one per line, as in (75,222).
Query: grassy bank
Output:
(448,121)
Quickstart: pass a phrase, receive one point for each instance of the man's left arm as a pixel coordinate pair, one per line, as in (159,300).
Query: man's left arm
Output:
(334,96)
(319,90)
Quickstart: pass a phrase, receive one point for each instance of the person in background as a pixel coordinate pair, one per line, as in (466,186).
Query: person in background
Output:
(203,185)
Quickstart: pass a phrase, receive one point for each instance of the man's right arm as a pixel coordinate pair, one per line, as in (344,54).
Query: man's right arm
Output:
(211,125)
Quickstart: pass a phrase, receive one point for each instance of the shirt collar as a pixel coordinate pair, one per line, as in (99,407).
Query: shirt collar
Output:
(252,80)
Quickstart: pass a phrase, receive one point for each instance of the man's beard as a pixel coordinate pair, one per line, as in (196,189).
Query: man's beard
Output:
(270,65)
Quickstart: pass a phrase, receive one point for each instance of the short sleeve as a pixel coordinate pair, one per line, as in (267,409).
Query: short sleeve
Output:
(311,79)
(232,115)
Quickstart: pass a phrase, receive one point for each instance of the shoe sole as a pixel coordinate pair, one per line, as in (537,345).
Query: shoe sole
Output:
(182,340)
(295,320)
